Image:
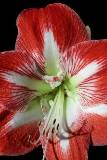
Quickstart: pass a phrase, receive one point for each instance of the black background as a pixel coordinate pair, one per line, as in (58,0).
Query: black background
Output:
(93,13)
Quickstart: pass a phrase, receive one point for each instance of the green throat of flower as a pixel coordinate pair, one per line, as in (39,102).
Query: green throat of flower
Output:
(54,103)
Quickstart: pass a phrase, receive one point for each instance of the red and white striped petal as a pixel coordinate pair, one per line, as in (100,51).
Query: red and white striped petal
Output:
(20,140)
(63,22)
(21,63)
(97,119)
(33,114)
(99,109)
(99,129)
(19,80)
(75,148)
(87,67)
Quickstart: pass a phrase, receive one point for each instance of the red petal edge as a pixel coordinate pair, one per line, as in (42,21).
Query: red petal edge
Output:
(99,130)
(66,25)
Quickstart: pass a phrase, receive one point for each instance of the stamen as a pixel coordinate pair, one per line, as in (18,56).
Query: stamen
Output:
(53,121)
(36,142)
(45,129)
(46,144)
(55,115)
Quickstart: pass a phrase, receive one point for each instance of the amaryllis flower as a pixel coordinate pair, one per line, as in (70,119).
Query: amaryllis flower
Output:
(53,87)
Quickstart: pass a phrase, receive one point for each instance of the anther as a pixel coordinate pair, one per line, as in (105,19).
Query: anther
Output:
(54,121)
(44,132)
(39,123)
(53,129)
(57,126)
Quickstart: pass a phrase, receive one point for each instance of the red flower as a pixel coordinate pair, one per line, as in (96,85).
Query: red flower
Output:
(53,86)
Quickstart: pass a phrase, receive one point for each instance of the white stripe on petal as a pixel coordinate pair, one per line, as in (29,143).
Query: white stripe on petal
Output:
(25,81)
(87,71)
(51,54)
(100,109)
(19,80)
(64,143)
(73,111)
(33,113)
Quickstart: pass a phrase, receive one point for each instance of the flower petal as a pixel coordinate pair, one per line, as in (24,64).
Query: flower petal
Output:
(88,31)
(52,61)
(99,129)
(75,148)
(88,69)
(62,21)
(19,80)
(33,113)
(100,109)
(73,115)
(18,141)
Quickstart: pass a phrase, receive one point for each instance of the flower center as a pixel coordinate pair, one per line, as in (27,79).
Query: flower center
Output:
(53,111)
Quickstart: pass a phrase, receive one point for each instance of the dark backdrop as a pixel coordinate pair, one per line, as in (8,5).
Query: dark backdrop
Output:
(92,12)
